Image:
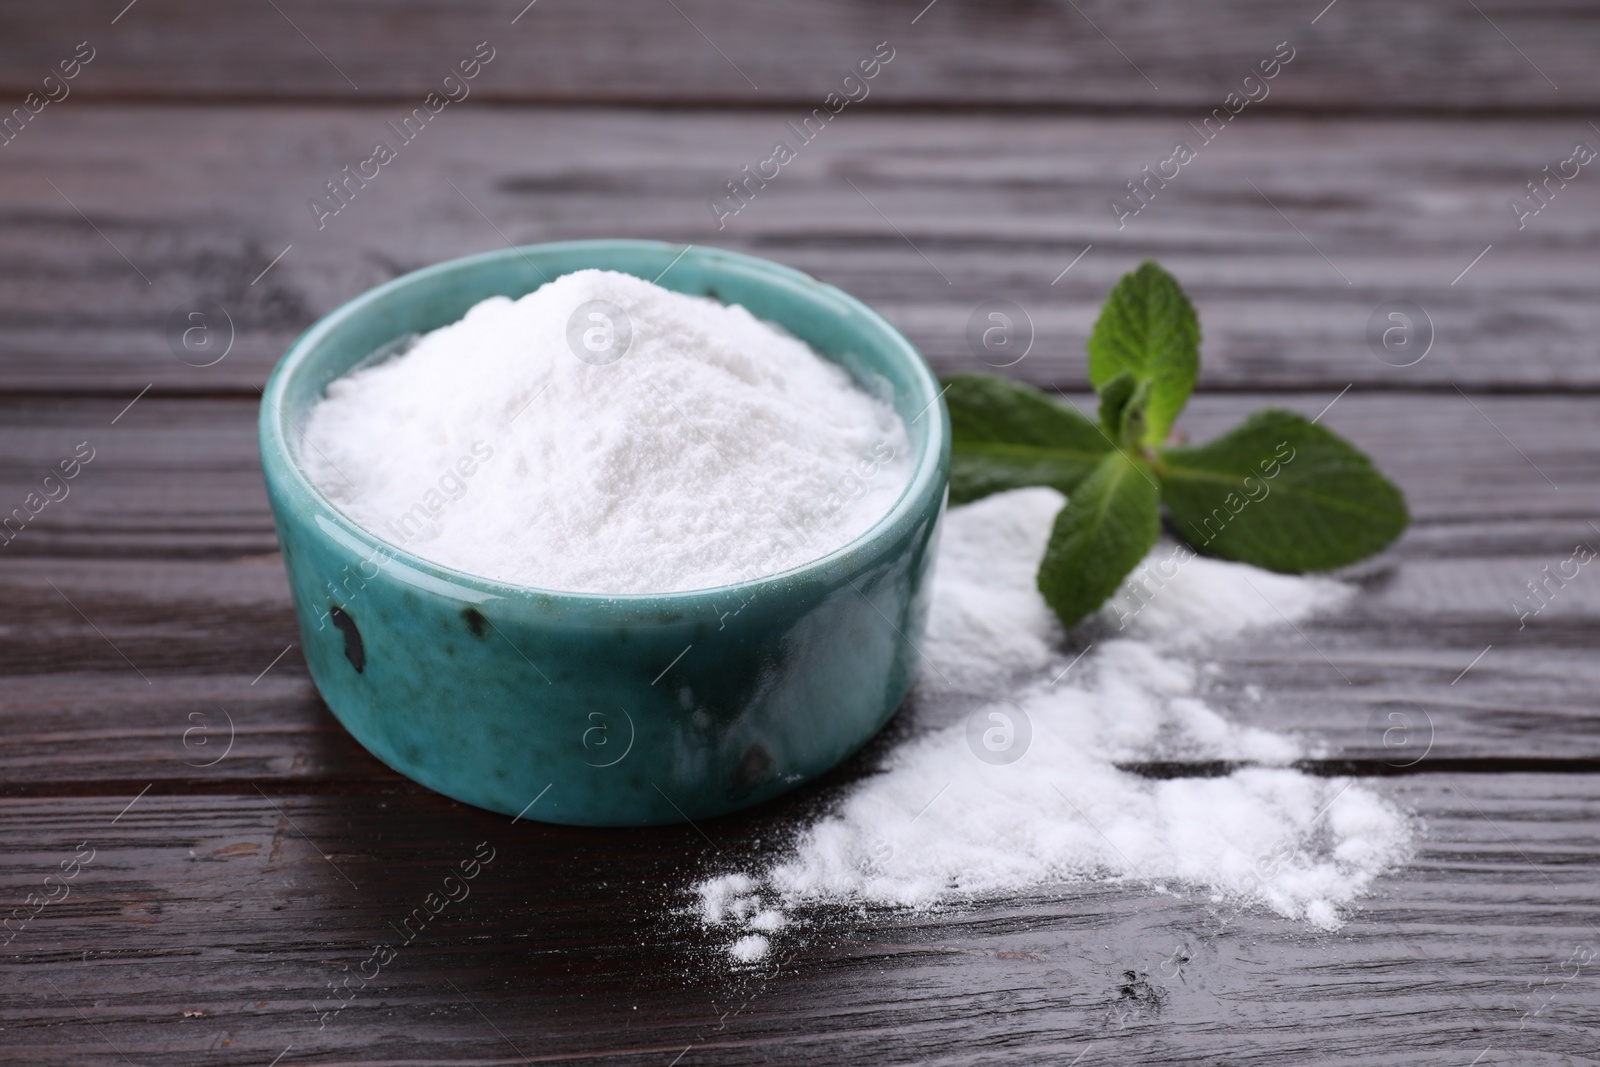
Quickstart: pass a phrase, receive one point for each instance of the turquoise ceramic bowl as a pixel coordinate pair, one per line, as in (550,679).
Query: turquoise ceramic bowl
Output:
(607,710)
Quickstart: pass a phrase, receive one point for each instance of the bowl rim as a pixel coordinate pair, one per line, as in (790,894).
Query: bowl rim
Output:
(278,456)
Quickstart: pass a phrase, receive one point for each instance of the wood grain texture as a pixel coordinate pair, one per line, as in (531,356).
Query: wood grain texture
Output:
(169,666)
(946,212)
(574,947)
(1382,55)
(180,477)
(145,627)
(143,607)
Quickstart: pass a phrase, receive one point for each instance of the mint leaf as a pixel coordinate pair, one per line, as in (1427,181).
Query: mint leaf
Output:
(1278,491)
(1008,435)
(1281,493)
(1123,403)
(1111,520)
(1148,328)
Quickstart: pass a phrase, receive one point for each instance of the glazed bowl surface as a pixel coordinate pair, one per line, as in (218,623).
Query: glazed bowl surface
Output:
(594,709)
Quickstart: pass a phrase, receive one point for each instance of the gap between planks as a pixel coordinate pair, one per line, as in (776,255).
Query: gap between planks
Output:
(388,786)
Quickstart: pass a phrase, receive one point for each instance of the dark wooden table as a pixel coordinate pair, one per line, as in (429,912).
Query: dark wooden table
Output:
(237,854)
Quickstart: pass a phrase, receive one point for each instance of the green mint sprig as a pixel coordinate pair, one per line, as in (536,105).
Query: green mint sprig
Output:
(1277,491)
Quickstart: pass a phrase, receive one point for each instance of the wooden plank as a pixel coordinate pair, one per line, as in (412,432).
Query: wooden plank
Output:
(1378,54)
(575,946)
(180,478)
(946,212)
(166,477)
(152,594)
(165,677)
(147,629)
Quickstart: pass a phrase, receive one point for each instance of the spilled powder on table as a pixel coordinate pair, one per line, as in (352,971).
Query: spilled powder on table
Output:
(939,826)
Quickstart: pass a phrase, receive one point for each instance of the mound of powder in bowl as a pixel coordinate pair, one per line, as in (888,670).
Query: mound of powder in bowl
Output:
(605,435)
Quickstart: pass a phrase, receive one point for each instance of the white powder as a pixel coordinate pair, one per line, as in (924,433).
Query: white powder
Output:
(750,948)
(944,825)
(519,445)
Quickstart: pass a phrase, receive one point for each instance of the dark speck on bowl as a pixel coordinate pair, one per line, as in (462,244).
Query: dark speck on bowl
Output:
(354,651)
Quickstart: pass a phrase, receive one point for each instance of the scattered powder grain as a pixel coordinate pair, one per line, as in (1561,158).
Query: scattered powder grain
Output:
(941,826)
(606,435)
